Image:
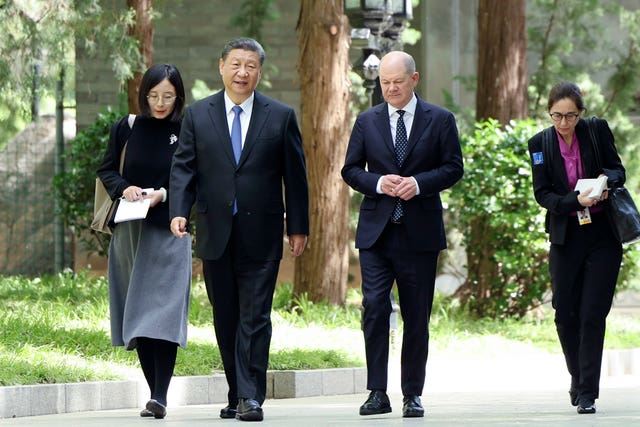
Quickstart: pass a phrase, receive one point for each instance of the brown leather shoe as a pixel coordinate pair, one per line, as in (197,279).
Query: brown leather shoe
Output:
(377,403)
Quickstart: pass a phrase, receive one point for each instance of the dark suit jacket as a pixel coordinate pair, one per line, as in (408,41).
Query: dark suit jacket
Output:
(550,184)
(433,158)
(204,172)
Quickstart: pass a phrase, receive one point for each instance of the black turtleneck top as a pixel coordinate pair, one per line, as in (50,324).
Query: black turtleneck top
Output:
(150,147)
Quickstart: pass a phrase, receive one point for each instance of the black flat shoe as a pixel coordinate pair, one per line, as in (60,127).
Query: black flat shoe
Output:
(228,412)
(412,407)
(158,410)
(377,403)
(586,407)
(249,410)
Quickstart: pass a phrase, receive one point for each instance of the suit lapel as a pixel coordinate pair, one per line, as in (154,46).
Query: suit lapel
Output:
(421,121)
(259,116)
(587,155)
(384,126)
(558,161)
(218,116)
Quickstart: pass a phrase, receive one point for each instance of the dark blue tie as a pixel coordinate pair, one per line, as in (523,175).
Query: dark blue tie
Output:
(401,151)
(236,143)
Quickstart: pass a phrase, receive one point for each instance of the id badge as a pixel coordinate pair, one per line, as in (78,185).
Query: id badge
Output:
(584,217)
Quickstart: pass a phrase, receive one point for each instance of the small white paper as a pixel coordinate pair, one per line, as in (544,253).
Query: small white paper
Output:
(598,185)
(128,211)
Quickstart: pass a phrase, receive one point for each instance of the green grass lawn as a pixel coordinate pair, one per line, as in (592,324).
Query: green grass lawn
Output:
(55,329)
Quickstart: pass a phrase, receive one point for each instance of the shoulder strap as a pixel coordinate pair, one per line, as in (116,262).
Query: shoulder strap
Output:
(591,124)
(547,149)
(131,119)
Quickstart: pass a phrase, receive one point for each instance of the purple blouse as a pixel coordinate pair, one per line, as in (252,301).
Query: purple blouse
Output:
(573,164)
(572,159)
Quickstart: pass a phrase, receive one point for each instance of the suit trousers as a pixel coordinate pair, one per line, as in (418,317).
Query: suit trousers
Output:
(584,272)
(240,290)
(389,259)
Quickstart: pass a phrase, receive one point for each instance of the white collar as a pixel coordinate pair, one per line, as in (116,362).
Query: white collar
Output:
(246,106)
(409,108)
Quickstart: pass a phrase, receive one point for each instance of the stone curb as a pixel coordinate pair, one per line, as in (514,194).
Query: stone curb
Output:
(45,399)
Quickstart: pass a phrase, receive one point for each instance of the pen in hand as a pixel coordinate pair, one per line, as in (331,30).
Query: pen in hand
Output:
(144,193)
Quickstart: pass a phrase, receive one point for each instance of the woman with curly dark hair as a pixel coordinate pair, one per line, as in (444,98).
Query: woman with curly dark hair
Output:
(585,255)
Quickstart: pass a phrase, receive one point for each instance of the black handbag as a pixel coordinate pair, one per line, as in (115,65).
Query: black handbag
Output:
(622,211)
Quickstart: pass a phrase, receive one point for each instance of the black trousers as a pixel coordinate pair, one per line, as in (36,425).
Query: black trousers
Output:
(391,258)
(584,272)
(240,290)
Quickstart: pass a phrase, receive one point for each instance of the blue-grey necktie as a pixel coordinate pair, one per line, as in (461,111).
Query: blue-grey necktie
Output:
(401,151)
(236,143)
(236,133)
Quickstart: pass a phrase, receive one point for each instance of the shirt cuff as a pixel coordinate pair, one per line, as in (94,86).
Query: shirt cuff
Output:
(379,186)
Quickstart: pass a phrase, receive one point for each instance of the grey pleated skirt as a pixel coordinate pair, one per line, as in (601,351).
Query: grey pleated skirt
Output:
(149,284)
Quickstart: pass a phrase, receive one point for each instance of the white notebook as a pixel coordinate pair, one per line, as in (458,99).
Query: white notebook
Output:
(128,211)
(597,185)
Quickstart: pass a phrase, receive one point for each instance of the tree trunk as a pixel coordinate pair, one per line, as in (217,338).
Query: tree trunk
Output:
(502,61)
(323,65)
(501,95)
(143,32)
(482,271)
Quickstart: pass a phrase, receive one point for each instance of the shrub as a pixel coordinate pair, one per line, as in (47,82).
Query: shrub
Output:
(74,187)
(501,223)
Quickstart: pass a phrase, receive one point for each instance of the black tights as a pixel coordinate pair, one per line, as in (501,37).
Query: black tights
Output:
(157,359)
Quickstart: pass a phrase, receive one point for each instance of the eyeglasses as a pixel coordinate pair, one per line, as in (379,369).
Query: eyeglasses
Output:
(569,117)
(166,99)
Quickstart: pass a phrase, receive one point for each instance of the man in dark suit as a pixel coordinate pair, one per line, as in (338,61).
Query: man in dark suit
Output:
(237,149)
(401,155)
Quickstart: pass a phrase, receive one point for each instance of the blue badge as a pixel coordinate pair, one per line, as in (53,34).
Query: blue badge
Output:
(538,159)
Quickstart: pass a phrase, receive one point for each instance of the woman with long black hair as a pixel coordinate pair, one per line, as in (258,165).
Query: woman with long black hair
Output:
(149,269)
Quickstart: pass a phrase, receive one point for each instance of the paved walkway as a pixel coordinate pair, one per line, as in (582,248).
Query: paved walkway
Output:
(520,389)
(497,386)
(619,405)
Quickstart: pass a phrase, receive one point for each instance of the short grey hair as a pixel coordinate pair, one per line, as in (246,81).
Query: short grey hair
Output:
(244,44)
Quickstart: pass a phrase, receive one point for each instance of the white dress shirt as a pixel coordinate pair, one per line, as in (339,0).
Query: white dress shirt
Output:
(245,116)
(409,114)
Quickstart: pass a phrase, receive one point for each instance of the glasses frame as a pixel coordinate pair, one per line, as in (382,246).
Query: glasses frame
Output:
(569,117)
(163,98)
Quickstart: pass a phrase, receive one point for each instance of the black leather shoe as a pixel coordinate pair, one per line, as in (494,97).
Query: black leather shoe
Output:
(377,403)
(228,412)
(412,407)
(586,407)
(146,413)
(249,410)
(158,409)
